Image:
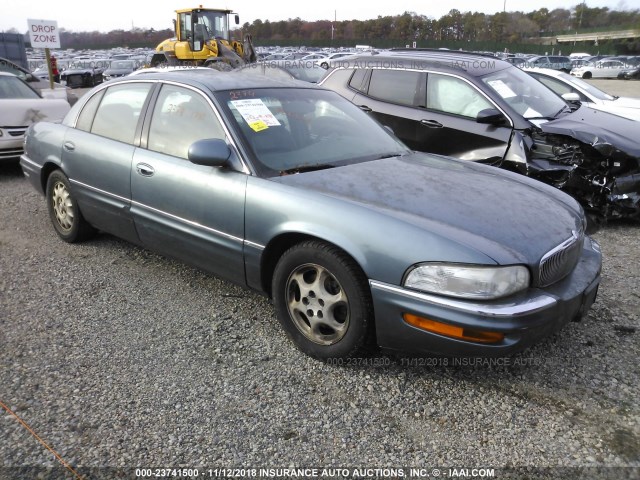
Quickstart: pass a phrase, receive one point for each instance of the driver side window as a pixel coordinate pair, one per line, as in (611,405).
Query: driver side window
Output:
(452,95)
(180,118)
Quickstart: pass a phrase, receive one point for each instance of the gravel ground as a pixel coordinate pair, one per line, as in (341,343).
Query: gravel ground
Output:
(116,357)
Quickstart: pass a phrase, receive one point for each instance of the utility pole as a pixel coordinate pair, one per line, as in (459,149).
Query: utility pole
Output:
(335,16)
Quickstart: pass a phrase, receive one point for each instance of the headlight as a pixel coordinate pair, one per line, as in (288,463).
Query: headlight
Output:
(468,281)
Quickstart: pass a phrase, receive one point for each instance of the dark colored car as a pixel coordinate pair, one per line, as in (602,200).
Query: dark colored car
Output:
(269,184)
(630,73)
(485,110)
(517,61)
(305,70)
(82,74)
(554,62)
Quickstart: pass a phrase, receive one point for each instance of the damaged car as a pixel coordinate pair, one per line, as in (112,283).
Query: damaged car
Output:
(20,107)
(482,109)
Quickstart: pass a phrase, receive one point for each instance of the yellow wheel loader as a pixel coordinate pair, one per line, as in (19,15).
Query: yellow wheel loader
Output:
(203,37)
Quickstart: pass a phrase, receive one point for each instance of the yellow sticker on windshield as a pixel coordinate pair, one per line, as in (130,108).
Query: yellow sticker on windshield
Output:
(258,126)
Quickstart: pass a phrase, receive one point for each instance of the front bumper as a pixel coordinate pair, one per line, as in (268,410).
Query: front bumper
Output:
(524,318)
(11,143)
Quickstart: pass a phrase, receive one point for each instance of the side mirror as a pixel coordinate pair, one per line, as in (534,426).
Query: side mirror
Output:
(571,97)
(211,152)
(237,17)
(491,116)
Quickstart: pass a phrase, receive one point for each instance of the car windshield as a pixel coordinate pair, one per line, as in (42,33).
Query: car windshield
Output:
(587,87)
(305,71)
(13,87)
(295,129)
(524,94)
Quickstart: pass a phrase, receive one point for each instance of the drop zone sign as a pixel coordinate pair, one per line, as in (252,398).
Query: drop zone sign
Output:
(44,33)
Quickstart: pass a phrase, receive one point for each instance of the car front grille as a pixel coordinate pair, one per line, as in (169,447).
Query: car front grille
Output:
(558,262)
(74,81)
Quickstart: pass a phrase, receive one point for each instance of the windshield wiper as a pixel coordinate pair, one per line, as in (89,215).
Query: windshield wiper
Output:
(305,168)
(388,155)
(561,110)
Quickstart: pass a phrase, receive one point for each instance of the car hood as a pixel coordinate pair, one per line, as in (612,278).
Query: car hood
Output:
(482,207)
(23,112)
(118,71)
(604,131)
(617,109)
(626,102)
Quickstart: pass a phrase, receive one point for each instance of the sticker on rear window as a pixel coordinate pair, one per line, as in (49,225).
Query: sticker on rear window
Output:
(256,114)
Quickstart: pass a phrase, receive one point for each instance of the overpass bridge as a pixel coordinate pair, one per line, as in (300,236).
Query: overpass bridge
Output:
(597,36)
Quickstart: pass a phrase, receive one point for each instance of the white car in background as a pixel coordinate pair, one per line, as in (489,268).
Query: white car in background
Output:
(21,106)
(169,68)
(604,68)
(573,90)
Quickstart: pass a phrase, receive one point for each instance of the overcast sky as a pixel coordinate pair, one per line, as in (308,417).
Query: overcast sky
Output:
(101,15)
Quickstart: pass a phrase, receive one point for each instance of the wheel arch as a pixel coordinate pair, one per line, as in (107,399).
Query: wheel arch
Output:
(47,169)
(276,247)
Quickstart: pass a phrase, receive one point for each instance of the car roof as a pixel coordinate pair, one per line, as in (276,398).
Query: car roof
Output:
(474,64)
(214,80)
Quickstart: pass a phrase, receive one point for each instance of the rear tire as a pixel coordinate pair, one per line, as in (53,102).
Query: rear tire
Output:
(63,209)
(322,300)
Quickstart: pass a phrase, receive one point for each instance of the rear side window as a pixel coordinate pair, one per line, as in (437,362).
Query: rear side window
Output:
(118,114)
(85,119)
(357,80)
(396,86)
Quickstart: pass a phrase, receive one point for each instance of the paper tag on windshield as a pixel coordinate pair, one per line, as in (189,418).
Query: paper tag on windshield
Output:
(531,113)
(258,126)
(253,111)
(502,88)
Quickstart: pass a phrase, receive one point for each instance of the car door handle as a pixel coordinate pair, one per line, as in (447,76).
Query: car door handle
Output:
(145,170)
(69,146)
(431,123)
(364,108)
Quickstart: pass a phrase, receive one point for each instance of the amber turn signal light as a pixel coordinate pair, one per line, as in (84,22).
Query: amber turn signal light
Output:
(452,331)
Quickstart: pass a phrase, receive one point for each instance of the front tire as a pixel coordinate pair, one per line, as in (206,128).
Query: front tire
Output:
(586,75)
(322,300)
(64,213)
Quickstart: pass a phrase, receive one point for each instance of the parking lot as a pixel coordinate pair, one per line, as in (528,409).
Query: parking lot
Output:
(119,359)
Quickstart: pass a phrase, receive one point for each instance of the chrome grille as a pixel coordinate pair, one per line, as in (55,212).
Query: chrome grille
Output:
(560,261)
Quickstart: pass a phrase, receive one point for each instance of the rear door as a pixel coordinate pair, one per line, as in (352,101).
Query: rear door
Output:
(433,112)
(396,99)
(97,156)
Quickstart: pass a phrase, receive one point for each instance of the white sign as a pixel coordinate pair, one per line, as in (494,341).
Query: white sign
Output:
(256,113)
(44,33)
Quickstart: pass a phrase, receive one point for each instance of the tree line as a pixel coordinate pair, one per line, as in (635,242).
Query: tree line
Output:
(509,27)
(398,30)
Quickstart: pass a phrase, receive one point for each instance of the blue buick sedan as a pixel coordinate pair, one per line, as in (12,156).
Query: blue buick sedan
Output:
(289,189)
